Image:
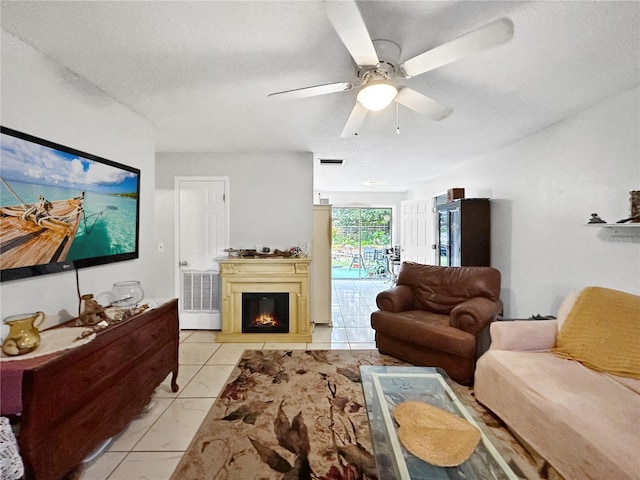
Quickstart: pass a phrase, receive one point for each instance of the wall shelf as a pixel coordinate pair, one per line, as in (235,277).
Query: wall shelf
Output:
(620,231)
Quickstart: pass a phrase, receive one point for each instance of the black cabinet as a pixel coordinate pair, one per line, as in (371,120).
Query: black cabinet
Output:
(464,228)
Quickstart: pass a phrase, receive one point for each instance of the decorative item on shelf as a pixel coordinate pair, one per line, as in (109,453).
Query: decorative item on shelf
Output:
(299,251)
(91,312)
(127,294)
(263,252)
(24,336)
(634,199)
(631,219)
(595,219)
(454,194)
(537,316)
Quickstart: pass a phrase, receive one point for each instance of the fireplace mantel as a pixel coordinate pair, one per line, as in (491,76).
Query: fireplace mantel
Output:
(250,275)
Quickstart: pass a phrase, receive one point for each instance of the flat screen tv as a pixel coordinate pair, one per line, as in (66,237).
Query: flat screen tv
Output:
(62,209)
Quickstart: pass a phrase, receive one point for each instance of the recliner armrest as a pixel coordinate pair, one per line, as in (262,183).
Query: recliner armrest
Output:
(474,314)
(397,299)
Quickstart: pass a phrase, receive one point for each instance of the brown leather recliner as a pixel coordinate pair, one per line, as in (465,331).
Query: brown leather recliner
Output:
(438,317)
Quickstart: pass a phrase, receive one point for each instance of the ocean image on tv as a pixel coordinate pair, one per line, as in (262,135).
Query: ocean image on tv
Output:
(107,227)
(49,196)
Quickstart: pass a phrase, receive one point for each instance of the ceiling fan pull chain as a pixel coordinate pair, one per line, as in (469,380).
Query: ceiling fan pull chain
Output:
(397,118)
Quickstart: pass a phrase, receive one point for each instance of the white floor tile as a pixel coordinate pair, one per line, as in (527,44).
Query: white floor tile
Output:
(363,346)
(196,353)
(175,428)
(185,374)
(208,382)
(139,426)
(328,346)
(357,321)
(339,335)
(147,466)
(337,321)
(103,466)
(360,335)
(230,353)
(184,334)
(202,336)
(322,331)
(284,346)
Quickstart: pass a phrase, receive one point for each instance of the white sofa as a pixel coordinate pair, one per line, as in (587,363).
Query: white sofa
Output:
(584,423)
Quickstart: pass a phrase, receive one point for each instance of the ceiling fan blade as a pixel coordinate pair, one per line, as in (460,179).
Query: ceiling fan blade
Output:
(423,104)
(315,90)
(483,38)
(350,27)
(354,121)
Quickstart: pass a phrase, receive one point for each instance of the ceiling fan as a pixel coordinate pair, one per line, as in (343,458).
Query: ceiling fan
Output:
(377,65)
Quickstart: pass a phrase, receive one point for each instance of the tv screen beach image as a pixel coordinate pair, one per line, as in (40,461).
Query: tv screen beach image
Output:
(59,206)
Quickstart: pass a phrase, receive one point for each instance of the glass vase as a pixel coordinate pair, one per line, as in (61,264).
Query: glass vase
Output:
(127,294)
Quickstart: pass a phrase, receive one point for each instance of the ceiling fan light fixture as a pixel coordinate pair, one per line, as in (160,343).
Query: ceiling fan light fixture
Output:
(377,95)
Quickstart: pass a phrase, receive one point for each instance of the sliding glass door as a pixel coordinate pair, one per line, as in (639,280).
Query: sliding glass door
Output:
(360,239)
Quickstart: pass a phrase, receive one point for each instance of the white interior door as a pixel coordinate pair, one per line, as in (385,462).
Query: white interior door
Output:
(202,234)
(416,226)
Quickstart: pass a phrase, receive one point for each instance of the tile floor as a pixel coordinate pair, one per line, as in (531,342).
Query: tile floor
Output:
(152,445)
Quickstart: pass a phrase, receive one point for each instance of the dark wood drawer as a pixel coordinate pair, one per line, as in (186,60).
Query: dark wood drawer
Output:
(78,400)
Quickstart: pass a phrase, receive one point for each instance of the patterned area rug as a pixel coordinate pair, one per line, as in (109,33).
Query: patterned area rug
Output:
(288,415)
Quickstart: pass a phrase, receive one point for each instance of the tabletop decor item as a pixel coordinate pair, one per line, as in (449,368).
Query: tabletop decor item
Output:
(435,435)
(23,336)
(91,311)
(127,294)
(595,218)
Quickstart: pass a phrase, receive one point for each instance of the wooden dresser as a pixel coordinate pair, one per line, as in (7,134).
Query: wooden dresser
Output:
(77,400)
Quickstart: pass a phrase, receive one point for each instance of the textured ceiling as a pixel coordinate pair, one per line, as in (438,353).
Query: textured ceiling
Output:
(201,72)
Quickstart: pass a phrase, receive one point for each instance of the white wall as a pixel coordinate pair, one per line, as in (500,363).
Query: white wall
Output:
(543,190)
(44,99)
(271,200)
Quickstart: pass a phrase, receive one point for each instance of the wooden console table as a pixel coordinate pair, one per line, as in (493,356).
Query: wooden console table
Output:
(82,397)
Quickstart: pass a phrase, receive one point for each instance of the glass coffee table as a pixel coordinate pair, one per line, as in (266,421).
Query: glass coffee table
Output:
(385,388)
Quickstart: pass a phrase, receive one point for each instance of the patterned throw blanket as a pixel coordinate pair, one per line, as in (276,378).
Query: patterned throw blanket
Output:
(602,331)
(288,415)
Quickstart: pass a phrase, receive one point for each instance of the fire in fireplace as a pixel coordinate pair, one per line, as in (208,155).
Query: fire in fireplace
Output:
(265,312)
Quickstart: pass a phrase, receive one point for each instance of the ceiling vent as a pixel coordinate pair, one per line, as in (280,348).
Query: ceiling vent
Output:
(331,161)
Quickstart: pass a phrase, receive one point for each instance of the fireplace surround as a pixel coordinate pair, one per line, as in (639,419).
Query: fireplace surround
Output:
(277,278)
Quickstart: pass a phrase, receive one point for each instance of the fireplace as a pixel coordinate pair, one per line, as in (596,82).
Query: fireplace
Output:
(280,284)
(265,312)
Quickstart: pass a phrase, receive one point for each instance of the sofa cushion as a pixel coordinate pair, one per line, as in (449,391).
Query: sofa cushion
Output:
(524,335)
(583,422)
(602,331)
(567,305)
(425,328)
(440,289)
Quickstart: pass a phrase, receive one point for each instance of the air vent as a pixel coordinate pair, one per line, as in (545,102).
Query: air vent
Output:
(331,161)
(201,291)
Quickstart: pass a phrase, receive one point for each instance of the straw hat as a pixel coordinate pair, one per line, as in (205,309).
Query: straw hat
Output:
(435,435)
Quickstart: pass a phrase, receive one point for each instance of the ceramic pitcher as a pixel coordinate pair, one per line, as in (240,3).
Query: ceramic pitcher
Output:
(23,336)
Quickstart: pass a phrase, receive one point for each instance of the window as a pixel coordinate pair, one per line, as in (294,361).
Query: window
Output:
(360,239)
